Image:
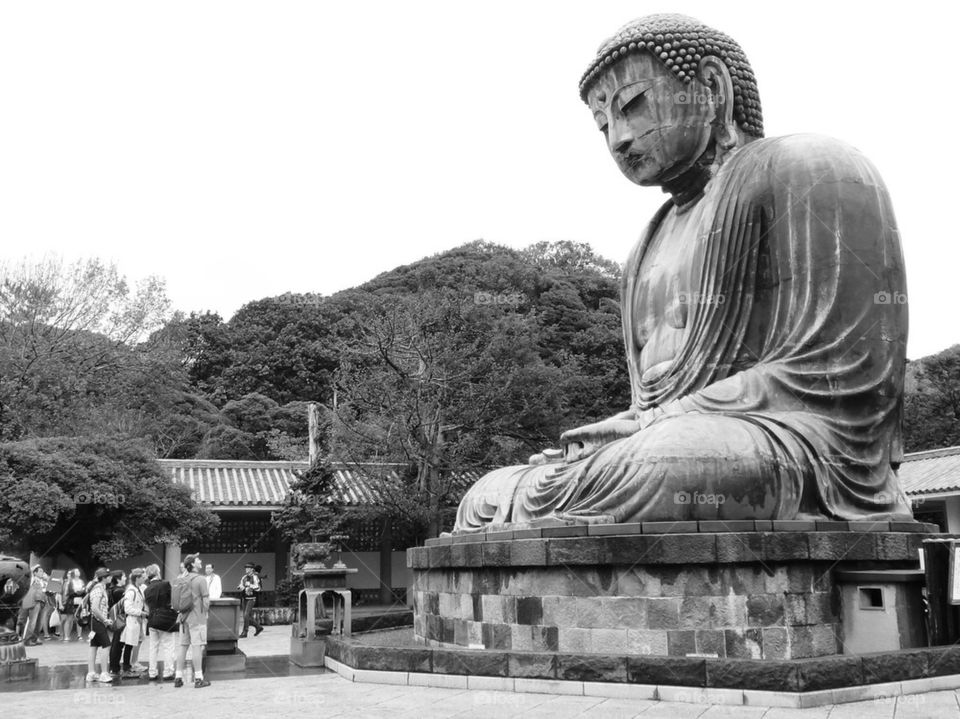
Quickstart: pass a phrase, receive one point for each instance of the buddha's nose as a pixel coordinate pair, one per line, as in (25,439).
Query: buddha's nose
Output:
(620,140)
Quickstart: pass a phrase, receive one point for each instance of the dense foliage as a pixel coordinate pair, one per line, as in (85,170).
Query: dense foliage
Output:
(94,500)
(476,357)
(932,402)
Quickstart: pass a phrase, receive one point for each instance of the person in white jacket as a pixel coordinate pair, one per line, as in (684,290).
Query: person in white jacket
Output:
(134,629)
(213,582)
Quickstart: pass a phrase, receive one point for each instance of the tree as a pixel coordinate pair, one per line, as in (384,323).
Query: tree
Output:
(310,509)
(932,401)
(94,499)
(66,332)
(200,342)
(255,427)
(568,257)
(430,368)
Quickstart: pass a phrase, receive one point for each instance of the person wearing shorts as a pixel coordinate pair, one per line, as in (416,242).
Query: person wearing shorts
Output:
(193,625)
(99,637)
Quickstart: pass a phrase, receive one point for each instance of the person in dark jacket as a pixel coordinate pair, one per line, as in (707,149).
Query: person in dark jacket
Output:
(249,591)
(116,585)
(162,624)
(72,595)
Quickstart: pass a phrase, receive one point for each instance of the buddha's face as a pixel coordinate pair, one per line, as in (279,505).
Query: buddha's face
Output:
(656,126)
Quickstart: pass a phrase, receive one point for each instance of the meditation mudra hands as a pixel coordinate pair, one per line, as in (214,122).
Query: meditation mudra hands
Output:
(583,441)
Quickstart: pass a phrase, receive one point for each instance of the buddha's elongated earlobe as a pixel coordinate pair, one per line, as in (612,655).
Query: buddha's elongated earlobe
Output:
(715,75)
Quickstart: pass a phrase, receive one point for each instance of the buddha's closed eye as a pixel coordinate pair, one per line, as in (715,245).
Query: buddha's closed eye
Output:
(631,99)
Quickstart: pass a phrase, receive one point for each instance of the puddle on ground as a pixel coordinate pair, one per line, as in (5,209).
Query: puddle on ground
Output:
(72,676)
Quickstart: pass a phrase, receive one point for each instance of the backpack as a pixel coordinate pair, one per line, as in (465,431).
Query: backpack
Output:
(82,614)
(181,597)
(117,617)
(161,616)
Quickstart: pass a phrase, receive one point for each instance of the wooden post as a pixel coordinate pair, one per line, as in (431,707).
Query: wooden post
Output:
(942,614)
(386,562)
(313,423)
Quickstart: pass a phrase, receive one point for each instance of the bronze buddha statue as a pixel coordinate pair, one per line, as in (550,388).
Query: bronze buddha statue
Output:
(763,311)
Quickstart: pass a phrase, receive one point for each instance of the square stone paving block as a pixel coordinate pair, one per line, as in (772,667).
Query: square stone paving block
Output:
(602,530)
(574,640)
(894,667)
(829,672)
(496,554)
(528,552)
(729,525)
(711,641)
(663,613)
(777,676)
(576,550)
(591,668)
(669,527)
(533,666)
(681,642)
(745,643)
(678,671)
(480,663)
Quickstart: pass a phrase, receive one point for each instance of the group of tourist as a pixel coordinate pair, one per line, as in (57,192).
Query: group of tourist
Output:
(122,612)
(47,608)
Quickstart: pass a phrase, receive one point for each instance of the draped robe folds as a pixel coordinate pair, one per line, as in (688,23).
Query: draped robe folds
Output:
(784,399)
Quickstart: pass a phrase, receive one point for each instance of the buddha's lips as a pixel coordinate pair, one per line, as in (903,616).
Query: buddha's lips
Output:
(634,161)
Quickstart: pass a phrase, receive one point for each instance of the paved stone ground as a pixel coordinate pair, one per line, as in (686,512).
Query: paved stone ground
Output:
(329,695)
(273,640)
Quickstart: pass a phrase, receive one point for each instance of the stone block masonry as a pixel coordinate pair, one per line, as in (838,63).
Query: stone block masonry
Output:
(737,595)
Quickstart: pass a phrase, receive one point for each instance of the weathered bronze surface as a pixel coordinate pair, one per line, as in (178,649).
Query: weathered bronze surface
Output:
(764,312)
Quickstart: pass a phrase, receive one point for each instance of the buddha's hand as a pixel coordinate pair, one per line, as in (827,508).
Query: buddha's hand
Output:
(584,441)
(547,456)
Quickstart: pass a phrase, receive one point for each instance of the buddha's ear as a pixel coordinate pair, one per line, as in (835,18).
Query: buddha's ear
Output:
(715,75)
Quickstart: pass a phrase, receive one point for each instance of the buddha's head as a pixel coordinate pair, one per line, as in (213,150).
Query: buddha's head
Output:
(668,93)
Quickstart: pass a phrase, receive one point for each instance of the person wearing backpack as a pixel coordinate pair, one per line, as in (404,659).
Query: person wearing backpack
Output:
(190,596)
(162,624)
(95,608)
(249,591)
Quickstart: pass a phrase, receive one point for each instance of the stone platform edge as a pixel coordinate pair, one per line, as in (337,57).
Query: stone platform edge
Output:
(797,683)
(733,547)
(558,528)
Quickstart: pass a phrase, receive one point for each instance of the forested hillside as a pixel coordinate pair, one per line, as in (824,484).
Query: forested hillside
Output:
(513,346)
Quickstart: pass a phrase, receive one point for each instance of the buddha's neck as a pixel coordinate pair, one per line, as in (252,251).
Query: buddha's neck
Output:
(687,188)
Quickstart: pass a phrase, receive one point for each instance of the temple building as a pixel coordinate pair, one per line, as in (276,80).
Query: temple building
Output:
(245,493)
(931,480)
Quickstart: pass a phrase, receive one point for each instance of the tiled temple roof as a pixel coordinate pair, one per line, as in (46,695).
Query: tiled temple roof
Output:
(935,471)
(226,484)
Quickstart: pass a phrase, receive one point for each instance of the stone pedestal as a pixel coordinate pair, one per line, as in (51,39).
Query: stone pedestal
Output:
(223,631)
(14,664)
(615,590)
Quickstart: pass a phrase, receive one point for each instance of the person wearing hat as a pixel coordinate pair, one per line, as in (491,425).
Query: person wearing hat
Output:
(99,637)
(249,590)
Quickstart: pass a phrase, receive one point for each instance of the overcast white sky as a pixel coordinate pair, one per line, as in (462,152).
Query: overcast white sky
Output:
(241,149)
